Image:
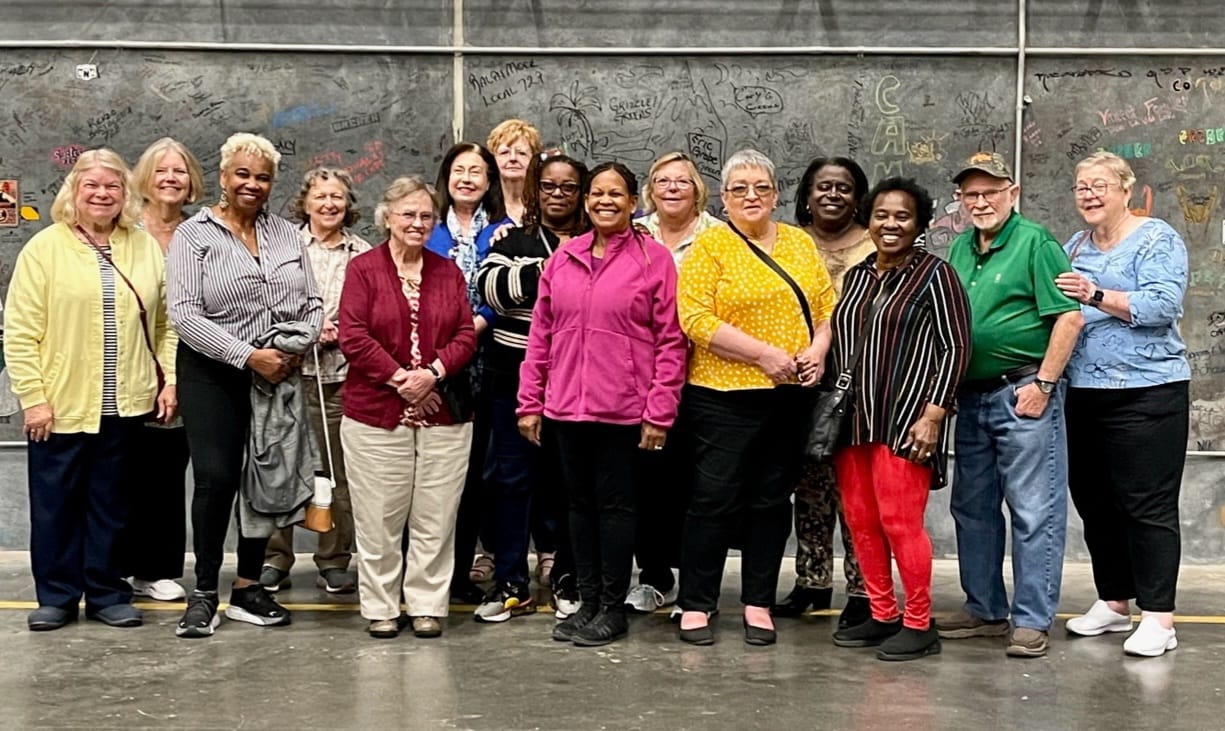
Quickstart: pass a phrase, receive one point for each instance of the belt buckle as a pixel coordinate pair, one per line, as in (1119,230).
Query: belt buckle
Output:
(844,382)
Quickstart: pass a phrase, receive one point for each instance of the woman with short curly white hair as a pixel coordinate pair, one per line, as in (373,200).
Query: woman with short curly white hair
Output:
(235,270)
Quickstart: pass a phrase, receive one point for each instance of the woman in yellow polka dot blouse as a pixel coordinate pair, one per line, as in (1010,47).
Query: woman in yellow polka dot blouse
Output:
(758,349)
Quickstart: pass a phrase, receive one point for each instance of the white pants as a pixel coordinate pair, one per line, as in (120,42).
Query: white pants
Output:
(407,475)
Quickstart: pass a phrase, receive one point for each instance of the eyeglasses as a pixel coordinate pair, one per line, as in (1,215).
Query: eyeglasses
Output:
(975,196)
(548,187)
(761,190)
(1097,188)
(665,183)
(425,217)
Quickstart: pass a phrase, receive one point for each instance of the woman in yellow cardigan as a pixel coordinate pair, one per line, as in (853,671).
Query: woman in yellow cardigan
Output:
(90,353)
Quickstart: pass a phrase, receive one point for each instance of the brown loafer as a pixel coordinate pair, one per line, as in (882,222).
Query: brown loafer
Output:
(426,627)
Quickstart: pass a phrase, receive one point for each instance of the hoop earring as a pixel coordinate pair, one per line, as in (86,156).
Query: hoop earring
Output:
(224,202)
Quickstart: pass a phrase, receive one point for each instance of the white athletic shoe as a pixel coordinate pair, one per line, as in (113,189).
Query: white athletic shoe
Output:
(1150,639)
(1100,619)
(163,590)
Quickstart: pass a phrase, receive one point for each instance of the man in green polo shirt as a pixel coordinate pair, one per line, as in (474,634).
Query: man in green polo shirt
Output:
(1010,439)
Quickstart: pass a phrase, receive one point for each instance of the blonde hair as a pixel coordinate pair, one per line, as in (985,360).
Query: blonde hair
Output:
(1113,163)
(251,144)
(298,206)
(512,129)
(701,193)
(146,168)
(64,209)
(400,189)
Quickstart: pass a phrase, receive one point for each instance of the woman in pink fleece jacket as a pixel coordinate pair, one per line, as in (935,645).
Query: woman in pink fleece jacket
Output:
(605,364)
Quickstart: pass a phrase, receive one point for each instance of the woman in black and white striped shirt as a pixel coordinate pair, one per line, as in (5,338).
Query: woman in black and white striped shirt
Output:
(234,271)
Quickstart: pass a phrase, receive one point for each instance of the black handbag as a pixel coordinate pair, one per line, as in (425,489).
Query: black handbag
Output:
(832,411)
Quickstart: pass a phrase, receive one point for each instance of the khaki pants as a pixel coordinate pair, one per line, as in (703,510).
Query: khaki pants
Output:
(412,476)
(335,547)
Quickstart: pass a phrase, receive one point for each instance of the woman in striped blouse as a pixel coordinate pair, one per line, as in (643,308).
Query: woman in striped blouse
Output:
(914,316)
(234,271)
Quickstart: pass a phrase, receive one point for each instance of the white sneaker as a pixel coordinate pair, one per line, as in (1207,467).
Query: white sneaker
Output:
(1100,619)
(563,607)
(1150,639)
(644,598)
(163,590)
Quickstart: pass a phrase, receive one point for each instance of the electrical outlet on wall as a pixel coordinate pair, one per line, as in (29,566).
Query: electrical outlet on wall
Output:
(87,71)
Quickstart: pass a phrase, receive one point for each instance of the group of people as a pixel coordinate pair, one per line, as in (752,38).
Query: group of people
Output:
(528,360)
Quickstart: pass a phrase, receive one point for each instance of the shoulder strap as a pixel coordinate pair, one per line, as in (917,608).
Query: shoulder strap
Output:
(782,273)
(144,316)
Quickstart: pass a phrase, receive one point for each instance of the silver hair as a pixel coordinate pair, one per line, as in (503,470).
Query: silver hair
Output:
(747,158)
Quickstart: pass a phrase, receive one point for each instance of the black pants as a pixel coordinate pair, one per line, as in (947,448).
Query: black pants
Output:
(1126,449)
(599,465)
(78,504)
(747,453)
(215,399)
(155,538)
(473,519)
(662,496)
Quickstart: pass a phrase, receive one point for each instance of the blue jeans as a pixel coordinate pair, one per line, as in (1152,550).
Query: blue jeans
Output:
(511,473)
(1023,462)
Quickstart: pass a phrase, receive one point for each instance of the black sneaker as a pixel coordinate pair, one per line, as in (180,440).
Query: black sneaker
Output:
(253,604)
(607,626)
(867,634)
(201,618)
(856,612)
(564,630)
(274,579)
(504,601)
(910,644)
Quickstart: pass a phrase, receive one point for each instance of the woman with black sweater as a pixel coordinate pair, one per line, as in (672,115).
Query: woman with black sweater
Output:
(519,472)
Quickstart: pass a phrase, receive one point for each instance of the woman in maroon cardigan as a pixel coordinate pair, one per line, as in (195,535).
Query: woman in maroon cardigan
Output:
(405,327)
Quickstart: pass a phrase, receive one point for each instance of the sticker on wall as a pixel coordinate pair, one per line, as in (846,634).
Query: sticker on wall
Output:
(30,213)
(9,202)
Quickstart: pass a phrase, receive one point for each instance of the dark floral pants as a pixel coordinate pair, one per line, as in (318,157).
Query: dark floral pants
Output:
(817,508)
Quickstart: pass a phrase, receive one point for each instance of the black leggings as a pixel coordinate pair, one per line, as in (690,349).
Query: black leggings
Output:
(215,399)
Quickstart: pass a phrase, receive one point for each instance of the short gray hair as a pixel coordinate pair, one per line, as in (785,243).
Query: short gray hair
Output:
(747,158)
(400,189)
(251,144)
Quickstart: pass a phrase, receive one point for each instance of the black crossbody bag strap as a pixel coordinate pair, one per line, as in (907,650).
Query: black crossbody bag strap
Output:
(782,273)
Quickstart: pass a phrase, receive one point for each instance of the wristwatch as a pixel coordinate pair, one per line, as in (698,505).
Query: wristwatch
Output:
(430,367)
(1096,299)
(1046,387)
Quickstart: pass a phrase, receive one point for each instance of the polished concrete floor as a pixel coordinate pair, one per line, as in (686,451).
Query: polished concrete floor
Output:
(324,672)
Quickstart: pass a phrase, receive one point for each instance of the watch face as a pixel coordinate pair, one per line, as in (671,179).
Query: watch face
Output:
(1098,295)
(1045,386)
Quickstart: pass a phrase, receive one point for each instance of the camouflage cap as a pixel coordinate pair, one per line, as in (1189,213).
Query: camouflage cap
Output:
(991,163)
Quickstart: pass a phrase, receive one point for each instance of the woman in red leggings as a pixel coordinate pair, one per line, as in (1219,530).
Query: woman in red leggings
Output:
(912,314)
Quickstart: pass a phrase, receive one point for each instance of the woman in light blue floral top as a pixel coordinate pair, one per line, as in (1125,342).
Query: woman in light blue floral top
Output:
(1128,405)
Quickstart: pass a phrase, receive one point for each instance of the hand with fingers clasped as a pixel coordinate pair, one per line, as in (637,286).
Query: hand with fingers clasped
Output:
(809,367)
(653,437)
(415,414)
(778,366)
(416,385)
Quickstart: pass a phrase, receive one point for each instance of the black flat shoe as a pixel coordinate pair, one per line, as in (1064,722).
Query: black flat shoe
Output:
(867,634)
(800,599)
(856,612)
(464,591)
(704,635)
(910,644)
(759,636)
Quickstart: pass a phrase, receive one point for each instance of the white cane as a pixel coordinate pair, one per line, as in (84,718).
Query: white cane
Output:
(319,511)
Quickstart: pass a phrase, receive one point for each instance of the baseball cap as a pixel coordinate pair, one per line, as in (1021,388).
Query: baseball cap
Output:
(991,163)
